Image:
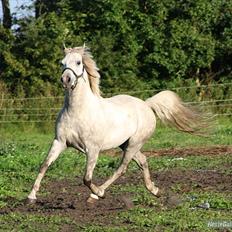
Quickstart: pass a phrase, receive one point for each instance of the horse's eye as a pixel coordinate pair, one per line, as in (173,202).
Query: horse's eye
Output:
(78,62)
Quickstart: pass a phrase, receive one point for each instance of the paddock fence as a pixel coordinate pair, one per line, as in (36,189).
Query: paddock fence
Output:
(216,98)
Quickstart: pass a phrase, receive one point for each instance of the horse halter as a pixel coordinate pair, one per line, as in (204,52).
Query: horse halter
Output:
(77,76)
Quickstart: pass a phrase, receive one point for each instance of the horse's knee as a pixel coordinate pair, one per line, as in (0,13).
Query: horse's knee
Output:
(145,165)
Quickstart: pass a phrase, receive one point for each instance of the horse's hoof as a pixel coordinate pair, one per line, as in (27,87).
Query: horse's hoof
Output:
(30,201)
(92,199)
(101,193)
(159,193)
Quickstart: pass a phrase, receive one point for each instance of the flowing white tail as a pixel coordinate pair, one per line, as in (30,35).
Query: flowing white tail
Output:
(171,110)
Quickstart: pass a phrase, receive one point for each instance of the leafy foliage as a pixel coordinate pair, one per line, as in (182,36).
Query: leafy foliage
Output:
(137,44)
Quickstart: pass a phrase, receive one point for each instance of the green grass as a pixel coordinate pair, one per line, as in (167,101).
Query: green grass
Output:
(166,137)
(181,219)
(26,222)
(192,162)
(22,151)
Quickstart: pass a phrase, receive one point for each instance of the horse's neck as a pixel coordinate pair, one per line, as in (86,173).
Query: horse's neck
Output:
(80,98)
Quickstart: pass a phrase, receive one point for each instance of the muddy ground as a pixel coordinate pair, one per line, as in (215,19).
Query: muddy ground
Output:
(183,152)
(68,197)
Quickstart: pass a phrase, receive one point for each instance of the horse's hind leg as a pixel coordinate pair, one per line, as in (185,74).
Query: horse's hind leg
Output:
(128,155)
(56,148)
(141,160)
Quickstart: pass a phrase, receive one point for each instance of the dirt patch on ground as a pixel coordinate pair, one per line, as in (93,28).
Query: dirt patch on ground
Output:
(198,151)
(188,180)
(68,197)
(183,152)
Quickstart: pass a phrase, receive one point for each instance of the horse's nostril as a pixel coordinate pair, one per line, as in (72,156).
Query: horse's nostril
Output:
(61,79)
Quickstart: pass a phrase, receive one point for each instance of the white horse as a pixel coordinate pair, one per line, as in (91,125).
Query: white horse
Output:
(91,123)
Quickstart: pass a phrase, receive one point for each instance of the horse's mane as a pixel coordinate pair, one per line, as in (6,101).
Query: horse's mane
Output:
(90,67)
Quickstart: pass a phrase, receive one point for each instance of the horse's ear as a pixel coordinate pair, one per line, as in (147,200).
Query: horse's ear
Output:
(66,50)
(84,47)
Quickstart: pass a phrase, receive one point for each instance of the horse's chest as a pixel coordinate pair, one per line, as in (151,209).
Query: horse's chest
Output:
(78,132)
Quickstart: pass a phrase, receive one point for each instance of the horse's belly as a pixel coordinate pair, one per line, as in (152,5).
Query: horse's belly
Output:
(117,137)
(112,143)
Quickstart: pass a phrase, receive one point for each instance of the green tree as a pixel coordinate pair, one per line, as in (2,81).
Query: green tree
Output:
(136,44)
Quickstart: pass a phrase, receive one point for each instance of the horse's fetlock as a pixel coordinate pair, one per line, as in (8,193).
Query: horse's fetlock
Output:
(87,182)
(150,187)
(101,192)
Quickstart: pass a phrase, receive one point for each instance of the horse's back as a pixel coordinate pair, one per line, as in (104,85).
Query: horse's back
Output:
(130,103)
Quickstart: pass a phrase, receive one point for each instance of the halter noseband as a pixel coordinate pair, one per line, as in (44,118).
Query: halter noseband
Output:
(77,76)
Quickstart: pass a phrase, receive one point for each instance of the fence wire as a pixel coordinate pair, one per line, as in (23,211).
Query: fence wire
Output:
(215,98)
(111,92)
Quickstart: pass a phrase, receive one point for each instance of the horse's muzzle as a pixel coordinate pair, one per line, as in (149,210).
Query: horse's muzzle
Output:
(66,80)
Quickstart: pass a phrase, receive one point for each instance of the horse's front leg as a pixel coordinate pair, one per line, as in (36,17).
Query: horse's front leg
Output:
(91,163)
(55,150)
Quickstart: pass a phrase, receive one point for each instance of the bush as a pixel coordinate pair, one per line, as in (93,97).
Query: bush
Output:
(137,44)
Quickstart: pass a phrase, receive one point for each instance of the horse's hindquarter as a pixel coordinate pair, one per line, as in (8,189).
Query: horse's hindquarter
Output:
(126,117)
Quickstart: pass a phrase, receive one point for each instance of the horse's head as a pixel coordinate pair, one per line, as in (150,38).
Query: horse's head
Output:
(78,63)
(73,67)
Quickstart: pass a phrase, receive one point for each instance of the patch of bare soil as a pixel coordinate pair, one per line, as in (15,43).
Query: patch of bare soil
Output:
(202,180)
(196,151)
(68,197)
(183,152)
